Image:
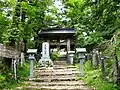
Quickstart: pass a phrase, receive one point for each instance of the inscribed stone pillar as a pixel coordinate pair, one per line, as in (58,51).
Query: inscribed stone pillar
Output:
(45,50)
(45,59)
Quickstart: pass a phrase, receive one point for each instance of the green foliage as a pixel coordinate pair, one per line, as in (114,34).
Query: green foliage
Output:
(94,22)
(23,72)
(93,79)
(3,69)
(23,20)
(75,58)
(54,56)
(2,79)
(7,78)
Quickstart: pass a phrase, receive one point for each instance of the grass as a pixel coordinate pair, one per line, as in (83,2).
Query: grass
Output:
(23,72)
(7,79)
(93,78)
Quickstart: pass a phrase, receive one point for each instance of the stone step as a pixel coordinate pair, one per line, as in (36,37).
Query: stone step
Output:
(56,88)
(56,73)
(59,83)
(59,77)
(44,68)
(50,79)
(64,63)
(59,67)
(63,67)
(55,76)
(71,66)
(56,67)
(57,70)
(60,62)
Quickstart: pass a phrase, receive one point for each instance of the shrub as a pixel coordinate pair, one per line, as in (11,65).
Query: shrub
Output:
(3,69)
(55,56)
(93,78)
(7,77)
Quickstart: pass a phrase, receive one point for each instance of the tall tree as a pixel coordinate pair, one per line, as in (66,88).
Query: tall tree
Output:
(28,17)
(94,20)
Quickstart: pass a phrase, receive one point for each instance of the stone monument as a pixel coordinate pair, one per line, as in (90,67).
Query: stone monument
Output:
(45,60)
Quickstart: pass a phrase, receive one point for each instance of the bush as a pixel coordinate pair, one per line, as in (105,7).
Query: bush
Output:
(3,69)
(2,79)
(23,72)
(75,59)
(7,77)
(55,56)
(93,78)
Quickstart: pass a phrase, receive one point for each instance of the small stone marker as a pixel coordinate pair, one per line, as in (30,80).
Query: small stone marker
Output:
(45,59)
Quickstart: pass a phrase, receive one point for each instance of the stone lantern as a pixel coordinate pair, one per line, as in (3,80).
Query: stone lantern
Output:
(70,56)
(31,53)
(81,58)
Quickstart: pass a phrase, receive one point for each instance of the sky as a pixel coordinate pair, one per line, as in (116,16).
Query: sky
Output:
(59,5)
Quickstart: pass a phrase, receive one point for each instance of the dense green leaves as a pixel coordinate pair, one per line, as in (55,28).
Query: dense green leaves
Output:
(21,20)
(97,21)
(93,21)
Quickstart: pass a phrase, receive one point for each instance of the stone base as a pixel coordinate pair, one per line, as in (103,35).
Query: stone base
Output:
(43,62)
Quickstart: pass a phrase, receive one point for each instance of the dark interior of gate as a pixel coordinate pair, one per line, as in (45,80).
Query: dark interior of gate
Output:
(60,39)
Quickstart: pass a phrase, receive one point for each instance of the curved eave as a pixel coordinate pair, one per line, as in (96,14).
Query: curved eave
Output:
(57,33)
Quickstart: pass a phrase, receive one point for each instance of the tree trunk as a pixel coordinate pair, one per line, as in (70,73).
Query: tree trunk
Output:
(25,43)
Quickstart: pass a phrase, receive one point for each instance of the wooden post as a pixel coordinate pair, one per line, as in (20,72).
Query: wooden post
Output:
(15,71)
(22,59)
(68,44)
(103,67)
(59,45)
(68,48)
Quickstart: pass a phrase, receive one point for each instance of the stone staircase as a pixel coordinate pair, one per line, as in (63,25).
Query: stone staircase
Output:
(59,77)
